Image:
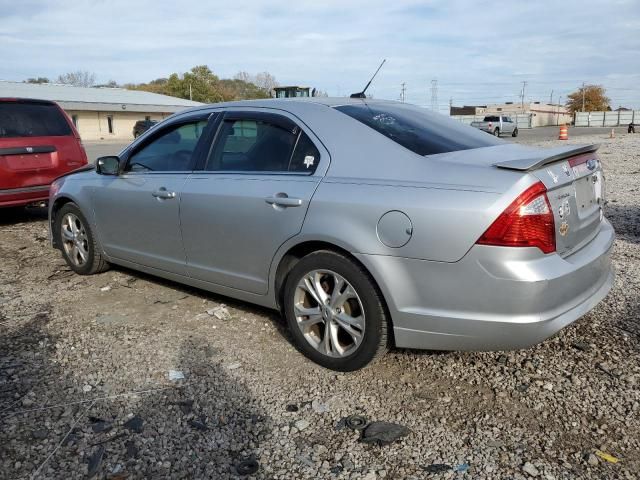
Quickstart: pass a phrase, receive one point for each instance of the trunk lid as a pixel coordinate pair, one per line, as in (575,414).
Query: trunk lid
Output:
(575,188)
(36,161)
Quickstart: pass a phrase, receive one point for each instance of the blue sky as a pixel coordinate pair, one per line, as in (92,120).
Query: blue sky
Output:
(479,51)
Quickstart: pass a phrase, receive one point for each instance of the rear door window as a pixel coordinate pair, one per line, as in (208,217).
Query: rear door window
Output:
(419,130)
(19,119)
(259,145)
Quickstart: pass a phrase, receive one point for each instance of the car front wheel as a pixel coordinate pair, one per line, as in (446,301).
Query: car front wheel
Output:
(335,312)
(77,241)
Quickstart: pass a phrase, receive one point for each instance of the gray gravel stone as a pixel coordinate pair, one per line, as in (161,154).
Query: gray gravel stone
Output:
(545,406)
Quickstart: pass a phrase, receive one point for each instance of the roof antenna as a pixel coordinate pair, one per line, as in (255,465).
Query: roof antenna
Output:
(361,94)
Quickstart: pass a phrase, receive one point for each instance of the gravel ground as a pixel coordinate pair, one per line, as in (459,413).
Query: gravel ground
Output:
(87,388)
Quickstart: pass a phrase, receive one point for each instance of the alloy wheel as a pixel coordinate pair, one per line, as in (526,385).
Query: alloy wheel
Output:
(74,239)
(329,313)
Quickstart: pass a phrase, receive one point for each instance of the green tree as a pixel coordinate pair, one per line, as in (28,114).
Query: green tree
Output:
(37,80)
(202,85)
(593,97)
(109,84)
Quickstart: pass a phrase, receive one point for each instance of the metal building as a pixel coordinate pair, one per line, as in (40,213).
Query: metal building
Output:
(100,113)
(528,115)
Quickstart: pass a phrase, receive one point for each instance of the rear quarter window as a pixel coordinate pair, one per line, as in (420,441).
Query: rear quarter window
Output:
(419,130)
(32,120)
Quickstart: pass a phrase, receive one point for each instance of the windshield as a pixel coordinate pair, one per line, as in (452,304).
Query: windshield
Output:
(419,130)
(31,120)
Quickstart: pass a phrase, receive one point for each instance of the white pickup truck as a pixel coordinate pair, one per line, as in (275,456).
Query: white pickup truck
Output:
(497,125)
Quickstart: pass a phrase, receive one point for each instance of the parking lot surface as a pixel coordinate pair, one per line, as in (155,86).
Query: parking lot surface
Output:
(123,375)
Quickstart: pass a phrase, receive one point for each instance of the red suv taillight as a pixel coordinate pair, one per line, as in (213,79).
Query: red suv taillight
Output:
(527,222)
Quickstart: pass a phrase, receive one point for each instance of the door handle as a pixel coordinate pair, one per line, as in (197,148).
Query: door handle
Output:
(283,200)
(163,193)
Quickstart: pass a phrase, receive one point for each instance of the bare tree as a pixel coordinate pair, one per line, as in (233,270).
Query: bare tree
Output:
(80,78)
(265,81)
(244,76)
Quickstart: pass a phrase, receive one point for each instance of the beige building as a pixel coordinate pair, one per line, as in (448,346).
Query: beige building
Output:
(542,114)
(539,114)
(100,113)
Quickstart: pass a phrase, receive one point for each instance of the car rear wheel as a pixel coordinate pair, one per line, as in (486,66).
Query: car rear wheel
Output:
(335,312)
(515,133)
(77,241)
(496,132)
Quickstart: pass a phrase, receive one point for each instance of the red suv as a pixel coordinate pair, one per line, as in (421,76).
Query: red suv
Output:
(38,143)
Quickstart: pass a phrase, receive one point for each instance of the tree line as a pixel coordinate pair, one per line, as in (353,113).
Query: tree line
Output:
(199,84)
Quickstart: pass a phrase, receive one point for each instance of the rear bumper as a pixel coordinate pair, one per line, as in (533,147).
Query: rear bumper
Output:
(495,298)
(15,197)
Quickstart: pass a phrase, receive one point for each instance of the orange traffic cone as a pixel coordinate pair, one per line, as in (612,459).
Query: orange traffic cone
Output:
(564,133)
(613,134)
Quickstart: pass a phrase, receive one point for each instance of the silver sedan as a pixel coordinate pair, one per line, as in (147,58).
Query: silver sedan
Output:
(367,223)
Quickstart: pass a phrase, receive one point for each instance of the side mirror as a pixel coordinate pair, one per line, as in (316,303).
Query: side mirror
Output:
(109,165)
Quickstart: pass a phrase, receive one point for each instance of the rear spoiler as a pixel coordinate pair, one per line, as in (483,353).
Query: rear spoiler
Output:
(526,164)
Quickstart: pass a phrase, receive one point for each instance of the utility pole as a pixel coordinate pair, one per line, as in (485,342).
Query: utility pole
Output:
(551,98)
(190,96)
(524,84)
(403,90)
(434,95)
(583,96)
(450,104)
(558,116)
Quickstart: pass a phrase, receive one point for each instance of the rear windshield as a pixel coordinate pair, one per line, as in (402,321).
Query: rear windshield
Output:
(417,129)
(31,120)
(492,119)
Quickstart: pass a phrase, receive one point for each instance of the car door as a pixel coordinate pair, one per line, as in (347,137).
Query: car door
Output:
(137,212)
(508,125)
(250,197)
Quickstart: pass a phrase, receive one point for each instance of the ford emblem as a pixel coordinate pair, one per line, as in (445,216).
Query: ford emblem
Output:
(592,163)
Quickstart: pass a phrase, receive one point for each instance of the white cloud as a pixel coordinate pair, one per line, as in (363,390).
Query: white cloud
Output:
(477,51)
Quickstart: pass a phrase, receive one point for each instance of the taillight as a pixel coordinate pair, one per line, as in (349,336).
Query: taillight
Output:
(83,151)
(527,222)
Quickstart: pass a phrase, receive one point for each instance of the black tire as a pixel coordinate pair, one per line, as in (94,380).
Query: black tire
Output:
(515,133)
(95,262)
(496,132)
(375,338)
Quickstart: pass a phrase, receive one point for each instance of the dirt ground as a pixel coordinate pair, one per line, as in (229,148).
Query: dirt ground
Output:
(87,387)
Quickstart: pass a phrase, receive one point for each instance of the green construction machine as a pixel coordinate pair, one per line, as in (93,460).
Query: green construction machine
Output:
(292,91)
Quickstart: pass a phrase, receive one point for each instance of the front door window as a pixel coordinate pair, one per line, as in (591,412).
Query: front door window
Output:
(172,151)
